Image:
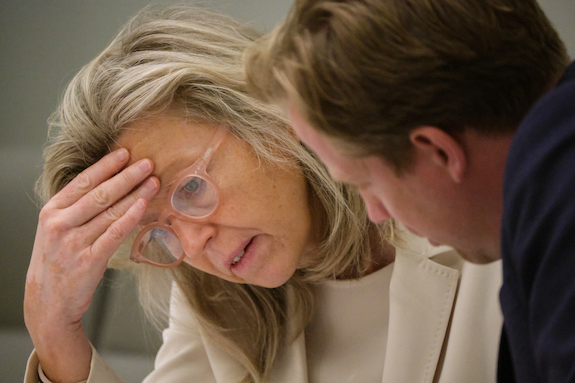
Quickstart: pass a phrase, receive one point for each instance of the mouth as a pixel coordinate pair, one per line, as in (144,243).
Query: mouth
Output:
(241,254)
(238,257)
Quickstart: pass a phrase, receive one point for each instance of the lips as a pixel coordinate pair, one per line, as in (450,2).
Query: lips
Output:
(240,253)
(238,257)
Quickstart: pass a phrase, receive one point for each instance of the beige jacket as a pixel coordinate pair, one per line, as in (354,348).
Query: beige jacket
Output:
(444,327)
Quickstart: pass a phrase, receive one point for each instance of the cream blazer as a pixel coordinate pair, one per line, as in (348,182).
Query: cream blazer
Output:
(444,327)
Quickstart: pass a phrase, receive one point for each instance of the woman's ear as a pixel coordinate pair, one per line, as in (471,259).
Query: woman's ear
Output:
(441,148)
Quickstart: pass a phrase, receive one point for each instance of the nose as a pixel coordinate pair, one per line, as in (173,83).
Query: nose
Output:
(376,211)
(194,236)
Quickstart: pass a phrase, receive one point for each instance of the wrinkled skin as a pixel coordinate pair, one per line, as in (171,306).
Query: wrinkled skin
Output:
(79,229)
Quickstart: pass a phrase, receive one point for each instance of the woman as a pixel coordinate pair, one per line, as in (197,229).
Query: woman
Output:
(277,274)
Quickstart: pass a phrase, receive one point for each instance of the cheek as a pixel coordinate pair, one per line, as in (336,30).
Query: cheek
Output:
(299,225)
(284,209)
(271,199)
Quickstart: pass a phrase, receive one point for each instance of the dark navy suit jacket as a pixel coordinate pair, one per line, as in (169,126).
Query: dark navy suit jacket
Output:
(538,241)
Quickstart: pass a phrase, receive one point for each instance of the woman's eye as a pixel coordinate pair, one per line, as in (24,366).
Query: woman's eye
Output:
(194,193)
(192,186)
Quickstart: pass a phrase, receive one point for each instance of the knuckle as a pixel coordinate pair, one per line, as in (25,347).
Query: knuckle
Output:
(129,177)
(87,257)
(83,181)
(54,226)
(72,241)
(45,214)
(116,233)
(52,223)
(114,213)
(67,250)
(101,196)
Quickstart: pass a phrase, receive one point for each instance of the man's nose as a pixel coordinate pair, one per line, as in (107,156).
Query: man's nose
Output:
(376,211)
(194,236)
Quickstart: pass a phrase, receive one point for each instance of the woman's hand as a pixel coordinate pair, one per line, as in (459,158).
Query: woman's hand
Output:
(79,229)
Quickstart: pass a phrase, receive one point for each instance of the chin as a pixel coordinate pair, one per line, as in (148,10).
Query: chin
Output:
(273,282)
(479,256)
(270,284)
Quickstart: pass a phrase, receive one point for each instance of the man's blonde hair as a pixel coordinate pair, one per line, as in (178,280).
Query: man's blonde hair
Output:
(367,72)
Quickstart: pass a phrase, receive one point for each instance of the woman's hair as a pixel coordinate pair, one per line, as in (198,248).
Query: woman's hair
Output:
(367,72)
(190,60)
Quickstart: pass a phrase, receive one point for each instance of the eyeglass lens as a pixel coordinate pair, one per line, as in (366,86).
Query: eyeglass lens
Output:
(194,197)
(160,246)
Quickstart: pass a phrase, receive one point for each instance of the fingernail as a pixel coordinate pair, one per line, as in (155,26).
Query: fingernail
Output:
(145,165)
(152,183)
(121,154)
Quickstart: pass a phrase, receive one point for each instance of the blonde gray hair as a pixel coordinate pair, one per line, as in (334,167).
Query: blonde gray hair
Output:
(189,59)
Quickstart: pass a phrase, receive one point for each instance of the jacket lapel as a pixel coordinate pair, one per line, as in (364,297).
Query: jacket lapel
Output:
(225,368)
(422,294)
(290,367)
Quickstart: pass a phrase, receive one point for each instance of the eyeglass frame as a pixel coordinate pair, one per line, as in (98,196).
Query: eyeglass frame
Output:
(197,169)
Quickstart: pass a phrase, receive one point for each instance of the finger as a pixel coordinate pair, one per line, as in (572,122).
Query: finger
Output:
(87,180)
(100,223)
(118,231)
(107,193)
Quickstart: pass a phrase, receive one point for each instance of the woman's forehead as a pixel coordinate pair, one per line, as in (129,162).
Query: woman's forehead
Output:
(170,142)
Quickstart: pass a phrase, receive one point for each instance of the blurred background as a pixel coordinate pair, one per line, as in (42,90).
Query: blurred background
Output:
(43,43)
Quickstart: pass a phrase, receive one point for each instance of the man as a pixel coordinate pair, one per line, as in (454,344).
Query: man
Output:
(457,118)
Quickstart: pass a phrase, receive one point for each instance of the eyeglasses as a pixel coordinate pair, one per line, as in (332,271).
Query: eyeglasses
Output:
(194,197)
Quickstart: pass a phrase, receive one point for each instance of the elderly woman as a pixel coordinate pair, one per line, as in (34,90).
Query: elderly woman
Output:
(275,272)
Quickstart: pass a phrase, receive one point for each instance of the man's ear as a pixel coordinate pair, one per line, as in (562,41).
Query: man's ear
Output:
(442,149)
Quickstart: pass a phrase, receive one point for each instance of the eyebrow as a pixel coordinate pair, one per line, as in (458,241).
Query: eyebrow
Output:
(169,172)
(174,169)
